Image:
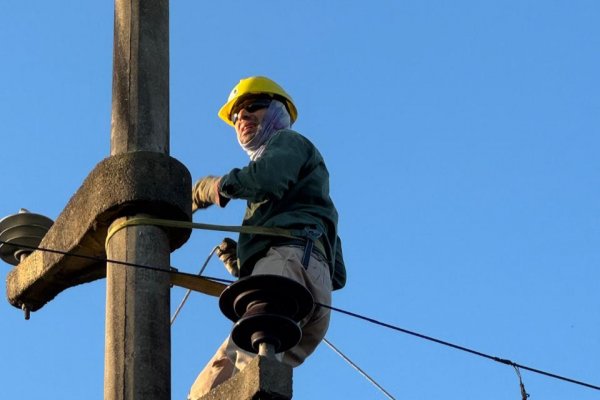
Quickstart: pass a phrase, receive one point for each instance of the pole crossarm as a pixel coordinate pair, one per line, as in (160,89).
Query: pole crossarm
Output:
(136,182)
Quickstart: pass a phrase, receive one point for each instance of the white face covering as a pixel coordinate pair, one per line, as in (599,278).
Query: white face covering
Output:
(275,119)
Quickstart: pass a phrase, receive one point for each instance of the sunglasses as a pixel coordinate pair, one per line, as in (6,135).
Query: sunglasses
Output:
(250,106)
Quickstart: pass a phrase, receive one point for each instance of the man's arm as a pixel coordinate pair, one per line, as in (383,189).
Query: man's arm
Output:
(271,176)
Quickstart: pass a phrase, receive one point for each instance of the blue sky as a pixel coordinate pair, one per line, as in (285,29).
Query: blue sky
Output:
(462,140)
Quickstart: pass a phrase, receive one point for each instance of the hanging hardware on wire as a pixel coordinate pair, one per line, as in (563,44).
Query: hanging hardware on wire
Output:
(461,348)
(524,394)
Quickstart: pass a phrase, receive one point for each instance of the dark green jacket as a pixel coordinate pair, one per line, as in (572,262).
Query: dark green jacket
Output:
(287,187)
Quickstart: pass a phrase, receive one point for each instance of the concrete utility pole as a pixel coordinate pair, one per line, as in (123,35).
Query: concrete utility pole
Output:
(138,179)
(138,337)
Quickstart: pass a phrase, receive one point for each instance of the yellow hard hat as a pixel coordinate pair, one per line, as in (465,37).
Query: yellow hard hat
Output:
(257,85)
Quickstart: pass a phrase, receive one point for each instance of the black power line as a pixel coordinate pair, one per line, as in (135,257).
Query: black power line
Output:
(349,313)
(105,260)
(461,348)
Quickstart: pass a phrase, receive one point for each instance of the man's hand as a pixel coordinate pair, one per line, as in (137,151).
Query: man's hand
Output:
(205,193)
(227,252)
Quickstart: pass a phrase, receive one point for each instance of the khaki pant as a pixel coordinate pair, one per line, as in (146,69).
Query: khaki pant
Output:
(285,261)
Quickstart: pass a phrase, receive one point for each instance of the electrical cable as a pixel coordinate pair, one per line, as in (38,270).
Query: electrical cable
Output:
(358,369)
(524,394)
(349,313)
(457,347)
(106,260)
(189,291)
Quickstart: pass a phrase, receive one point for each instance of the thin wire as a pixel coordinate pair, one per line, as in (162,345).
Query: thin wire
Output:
(524,394)
(357,368)
(349,313)
(465,349)
(187,294)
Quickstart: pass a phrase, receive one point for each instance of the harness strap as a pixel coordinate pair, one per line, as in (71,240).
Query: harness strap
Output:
(256,230)
(311,235)
(307,252)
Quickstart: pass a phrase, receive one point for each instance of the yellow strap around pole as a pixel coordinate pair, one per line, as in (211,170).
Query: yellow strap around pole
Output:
(195,282)
(256,230)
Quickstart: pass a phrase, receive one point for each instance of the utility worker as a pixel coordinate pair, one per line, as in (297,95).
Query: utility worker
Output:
(286,185)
